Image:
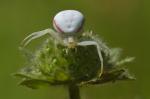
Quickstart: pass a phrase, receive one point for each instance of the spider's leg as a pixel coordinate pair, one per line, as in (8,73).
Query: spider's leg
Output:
(36,35)
(86,43)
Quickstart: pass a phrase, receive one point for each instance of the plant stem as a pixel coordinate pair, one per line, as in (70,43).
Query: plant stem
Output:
(74,92)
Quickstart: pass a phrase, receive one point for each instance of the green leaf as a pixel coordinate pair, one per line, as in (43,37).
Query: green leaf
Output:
(33,73)
(34,84)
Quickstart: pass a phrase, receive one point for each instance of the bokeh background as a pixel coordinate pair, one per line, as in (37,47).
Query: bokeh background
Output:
(121,23)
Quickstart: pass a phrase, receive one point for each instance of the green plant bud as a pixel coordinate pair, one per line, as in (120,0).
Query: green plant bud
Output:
(56,64)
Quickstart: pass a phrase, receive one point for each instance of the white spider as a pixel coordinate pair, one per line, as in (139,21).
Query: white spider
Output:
(67,23)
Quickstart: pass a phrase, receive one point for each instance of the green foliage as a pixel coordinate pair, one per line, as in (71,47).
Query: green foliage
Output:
(56,64)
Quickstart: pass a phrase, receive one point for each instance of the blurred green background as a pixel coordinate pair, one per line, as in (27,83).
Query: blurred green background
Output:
(121,23)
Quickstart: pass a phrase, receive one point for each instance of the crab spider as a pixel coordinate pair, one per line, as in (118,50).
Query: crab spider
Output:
(67,23)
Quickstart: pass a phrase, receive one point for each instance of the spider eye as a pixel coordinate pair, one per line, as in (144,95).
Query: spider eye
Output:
(68,22)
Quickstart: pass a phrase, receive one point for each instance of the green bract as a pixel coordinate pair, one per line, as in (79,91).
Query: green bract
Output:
(56,64)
